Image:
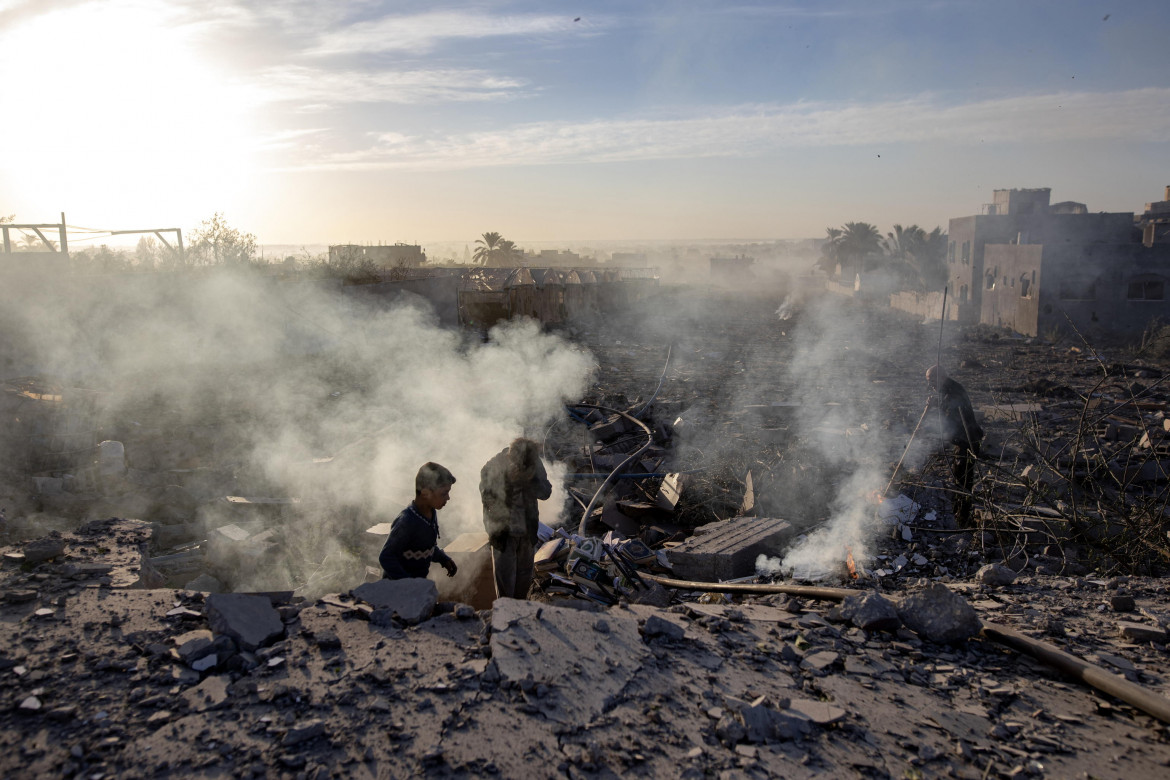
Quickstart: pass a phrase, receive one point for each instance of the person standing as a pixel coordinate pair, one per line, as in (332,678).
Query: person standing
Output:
(413,541)
(510,484)
(961,430)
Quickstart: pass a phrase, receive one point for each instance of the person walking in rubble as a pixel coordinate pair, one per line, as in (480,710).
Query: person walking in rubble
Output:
(961,430)
(413,541)
(510,484)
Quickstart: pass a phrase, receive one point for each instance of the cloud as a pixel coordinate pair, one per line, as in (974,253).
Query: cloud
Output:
(1141,115)
(423,32)
(324,88)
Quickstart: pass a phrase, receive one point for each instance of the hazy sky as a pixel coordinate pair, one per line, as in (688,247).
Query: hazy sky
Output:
(331,122)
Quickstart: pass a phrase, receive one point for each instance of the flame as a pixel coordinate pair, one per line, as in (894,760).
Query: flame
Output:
(850,563)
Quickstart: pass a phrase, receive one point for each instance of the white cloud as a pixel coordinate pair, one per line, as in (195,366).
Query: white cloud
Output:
(422,32)
(1141,115)
(321,87)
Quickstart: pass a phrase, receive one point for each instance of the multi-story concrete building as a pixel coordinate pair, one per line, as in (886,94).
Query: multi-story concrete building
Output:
(1037,267)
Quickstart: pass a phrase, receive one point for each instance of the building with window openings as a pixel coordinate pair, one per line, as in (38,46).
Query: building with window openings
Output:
(1038,267)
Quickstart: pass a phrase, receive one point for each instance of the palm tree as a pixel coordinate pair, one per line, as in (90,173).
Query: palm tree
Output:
(487,248)
(830,252)
(860,241)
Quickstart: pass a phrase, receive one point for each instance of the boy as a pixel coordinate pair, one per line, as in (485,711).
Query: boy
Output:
(412,543)
(510,484)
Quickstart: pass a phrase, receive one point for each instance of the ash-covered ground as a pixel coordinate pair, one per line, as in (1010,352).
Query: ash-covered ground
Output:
(109,675)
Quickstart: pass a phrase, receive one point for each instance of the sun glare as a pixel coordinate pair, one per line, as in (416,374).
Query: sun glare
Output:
(118,105)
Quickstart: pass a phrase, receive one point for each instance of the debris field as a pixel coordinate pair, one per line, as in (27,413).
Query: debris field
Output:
(613,668)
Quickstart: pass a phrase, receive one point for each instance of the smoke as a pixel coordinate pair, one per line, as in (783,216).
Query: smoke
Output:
(305,390)
(841,369)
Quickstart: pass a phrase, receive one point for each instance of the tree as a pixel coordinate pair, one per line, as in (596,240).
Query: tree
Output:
(830,252)
(215,242)
(496,251)
(487,248)
(919,256)
(860,242)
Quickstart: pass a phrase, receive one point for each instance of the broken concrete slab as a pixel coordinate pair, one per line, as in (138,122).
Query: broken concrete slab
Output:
(1136,632)
(45,549)
(412,600)
(582,667)
(940,615)
(870,611)
(250,620)
(729,549)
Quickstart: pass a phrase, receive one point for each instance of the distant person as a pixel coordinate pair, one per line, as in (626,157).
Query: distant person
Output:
(413,541)
(510,484)
(962,432)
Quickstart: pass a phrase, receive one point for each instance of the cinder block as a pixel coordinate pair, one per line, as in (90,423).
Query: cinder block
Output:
(729,550)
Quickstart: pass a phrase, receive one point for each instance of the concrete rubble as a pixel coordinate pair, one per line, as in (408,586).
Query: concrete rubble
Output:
(120,660)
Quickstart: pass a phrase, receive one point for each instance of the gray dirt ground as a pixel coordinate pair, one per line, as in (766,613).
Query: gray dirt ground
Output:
(765,686)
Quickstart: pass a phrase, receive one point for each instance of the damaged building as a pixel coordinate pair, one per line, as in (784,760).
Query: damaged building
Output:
(1037,267)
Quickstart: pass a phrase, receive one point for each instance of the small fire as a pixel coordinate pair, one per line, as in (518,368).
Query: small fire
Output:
(850,563)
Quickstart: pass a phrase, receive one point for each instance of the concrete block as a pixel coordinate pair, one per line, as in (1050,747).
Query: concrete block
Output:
(729,550)
(412,599)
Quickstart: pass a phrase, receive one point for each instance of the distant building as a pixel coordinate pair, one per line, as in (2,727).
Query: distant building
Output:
(1035,267)
(553,258)
(383,256)
(732,269)
(1155,221)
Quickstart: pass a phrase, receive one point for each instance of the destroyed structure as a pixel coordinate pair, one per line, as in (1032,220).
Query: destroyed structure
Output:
(665,635)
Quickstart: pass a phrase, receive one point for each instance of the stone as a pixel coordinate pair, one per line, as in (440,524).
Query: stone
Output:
(819,712)
(939,615)
(194,645)
(729,549)
(250,620)
(42,550)
(870,611)
(204,583)
(1135,632)
(995,575)
(413,600)
(656,626)
(819,662)
(1122,603)
(303,732)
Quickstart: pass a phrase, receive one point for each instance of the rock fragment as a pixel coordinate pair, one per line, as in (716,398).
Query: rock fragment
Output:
(1135,632)
(871,612)
(413,600)
(995,575)
(250,620)
(939,615)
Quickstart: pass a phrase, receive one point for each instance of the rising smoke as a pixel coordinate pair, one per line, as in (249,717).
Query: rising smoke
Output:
(301,390)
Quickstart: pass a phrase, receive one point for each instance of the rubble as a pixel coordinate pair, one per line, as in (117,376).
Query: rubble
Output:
(939,614)
(605,671)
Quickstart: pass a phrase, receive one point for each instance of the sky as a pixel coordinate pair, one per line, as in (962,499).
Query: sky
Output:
(571,120)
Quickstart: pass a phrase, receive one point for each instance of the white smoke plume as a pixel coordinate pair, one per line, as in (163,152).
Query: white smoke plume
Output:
(309,390)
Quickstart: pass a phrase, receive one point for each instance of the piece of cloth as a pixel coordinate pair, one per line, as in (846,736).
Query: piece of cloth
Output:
(512,564)
(411,546)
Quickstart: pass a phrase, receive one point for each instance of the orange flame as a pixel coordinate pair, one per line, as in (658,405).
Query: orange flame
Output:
(850,563)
